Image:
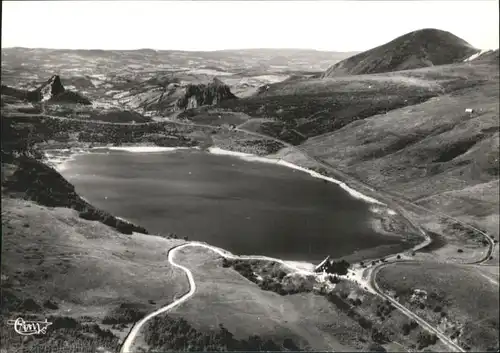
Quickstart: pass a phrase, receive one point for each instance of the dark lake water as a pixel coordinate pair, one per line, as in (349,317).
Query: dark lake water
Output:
(245,207)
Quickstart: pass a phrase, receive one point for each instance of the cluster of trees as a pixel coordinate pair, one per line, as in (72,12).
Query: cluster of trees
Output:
(176,334)
(70,330)
(408,327)
(12,302)
(18,139)
(269,146)
(349,309)
(437,301)
(118,136)
(334,279)
(41,184)
(335,267)
(379,336)
(92,214)
(44,128)
(244,268)
(274,285)
(273,282)
(384,309)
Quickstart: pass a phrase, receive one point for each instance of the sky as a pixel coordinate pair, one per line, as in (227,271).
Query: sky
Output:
(215,25)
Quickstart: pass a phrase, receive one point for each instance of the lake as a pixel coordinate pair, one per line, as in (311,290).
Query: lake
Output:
(246,207)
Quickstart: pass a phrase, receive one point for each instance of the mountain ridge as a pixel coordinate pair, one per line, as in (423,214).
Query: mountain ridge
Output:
(422,48)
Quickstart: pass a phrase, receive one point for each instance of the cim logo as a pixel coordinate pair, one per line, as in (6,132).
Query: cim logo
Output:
(27,328)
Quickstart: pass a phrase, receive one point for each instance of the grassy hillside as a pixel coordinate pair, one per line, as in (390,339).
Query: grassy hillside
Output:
(422,48)
(460,303)
(293,117)
(79,264)
(423,150)
(297,110)
(55,263)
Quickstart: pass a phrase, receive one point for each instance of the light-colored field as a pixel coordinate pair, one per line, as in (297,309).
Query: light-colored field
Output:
(355,84)
(434,79)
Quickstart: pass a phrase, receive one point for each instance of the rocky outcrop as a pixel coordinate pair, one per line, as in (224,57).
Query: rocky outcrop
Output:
(212,93)
(54,91)
(51,88)
(51,91)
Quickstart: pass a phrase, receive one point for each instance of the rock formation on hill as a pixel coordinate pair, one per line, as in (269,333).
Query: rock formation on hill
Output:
(167,95)
(54,91)
(422,48)
(212,93)
(51,91)
(52,88)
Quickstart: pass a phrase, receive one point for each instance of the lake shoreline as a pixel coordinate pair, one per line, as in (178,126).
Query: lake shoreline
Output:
(58,159)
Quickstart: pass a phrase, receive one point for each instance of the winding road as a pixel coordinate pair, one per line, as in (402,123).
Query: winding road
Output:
(129,340)
(127,343)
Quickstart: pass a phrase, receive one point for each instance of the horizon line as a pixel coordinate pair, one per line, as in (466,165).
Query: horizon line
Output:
(190,50)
